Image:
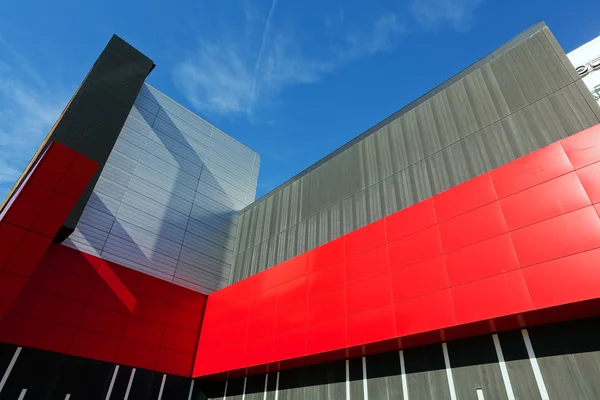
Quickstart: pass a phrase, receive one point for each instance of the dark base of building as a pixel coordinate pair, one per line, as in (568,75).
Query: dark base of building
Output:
(567,356)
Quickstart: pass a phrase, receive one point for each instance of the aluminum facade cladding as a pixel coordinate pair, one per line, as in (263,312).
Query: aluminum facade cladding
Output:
(167,201)
(518,99)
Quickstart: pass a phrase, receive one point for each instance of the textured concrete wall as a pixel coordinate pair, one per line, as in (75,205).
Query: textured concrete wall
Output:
(519,98)
(167,201)
(567,355)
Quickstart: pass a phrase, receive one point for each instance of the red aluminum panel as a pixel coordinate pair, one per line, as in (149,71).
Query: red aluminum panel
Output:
(480,260)
(326,336)
(326,255)
(290,317)
(93,345)
(381,325)
(282,273)
(173,362)
(421,278)
(26,205)
(367,238)
(367,265)
(327,305)
(77,177)
(583,148)
(53,164)
(414,248)
(544,201)
(477,225)
(468,196)
(28,254)
(10,238)
(492,297)
(410,220)
(143,330)
(370,293)
(540,166)
(102,320)
(425,313)
(589,178)
(565,280)
(52,215)
(561,236)
(136,354)
(329,278)
(55,308)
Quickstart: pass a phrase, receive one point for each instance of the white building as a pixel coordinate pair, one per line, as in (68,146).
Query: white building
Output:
(586,59)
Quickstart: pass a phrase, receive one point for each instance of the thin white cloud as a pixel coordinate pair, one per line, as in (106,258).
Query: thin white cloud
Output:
(228,77)
(28,108)
(435,14)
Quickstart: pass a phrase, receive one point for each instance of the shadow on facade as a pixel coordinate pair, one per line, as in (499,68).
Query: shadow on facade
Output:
(208,250)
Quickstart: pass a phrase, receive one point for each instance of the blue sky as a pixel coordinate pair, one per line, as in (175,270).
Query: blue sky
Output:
(293,80)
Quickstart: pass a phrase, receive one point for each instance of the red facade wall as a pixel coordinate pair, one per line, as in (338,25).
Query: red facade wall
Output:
(78,304)
(500,249)
(35,213)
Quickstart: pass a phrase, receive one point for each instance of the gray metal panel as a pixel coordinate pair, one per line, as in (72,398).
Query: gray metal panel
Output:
(167,202)
(505,106)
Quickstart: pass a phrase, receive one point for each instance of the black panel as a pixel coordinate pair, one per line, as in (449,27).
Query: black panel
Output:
(176,387)
(121,382)
(272,382)
(513,346)
(255,384)
(7,351)
(155,383)
(36,371)
(578,336)
(142,388)
(381,365)
(422,359)
(235,387)
(472,351)
(356,369)
(211,389)
(83,378)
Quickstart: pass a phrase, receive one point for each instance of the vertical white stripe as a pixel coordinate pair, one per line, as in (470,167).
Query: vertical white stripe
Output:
(68,396)
(112,382)
(403,374)
(347,379)
(191,390)
(266,385)
(535,366)
(162,386)
(22,395)
(479,392)
(131,376)
(277,387)
(503,370)
(225,392)
(10,367)
(244,389)
(449,372)
(364,371)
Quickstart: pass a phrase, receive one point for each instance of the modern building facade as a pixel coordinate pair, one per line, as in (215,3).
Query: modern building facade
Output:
(449,252)
(586,60)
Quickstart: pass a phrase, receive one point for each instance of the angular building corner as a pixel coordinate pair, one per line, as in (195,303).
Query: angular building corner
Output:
(448,252)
